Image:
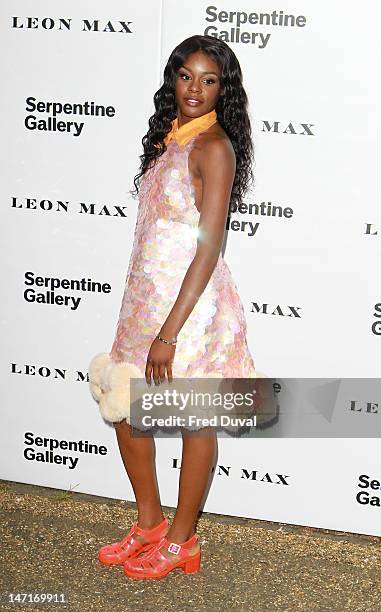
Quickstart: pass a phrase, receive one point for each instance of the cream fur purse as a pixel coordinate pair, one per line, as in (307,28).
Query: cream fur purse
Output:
(110,386)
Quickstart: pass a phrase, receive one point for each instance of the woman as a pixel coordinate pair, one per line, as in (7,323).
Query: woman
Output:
(196,161)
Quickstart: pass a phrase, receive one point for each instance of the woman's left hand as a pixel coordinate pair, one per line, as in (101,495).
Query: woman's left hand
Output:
(159,362)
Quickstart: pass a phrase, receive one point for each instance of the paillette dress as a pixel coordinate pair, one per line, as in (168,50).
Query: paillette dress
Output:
(212,342)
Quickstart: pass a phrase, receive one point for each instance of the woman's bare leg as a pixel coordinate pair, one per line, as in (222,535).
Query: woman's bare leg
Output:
(138,454)
(198,457)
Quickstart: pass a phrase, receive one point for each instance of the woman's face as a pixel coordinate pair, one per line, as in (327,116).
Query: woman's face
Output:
(197,87)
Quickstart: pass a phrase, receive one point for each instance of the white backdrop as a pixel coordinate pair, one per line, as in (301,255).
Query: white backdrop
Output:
(67,214)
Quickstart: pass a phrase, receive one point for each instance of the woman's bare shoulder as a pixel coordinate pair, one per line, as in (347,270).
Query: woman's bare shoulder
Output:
(214,142)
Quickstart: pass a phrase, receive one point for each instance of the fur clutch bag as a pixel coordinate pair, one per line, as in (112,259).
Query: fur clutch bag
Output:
(110,386)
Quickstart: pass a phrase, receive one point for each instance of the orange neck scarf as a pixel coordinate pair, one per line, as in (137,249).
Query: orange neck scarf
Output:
(185,133)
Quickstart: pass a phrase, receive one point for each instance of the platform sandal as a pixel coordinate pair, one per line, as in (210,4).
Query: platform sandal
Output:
(153,564)
(132,545)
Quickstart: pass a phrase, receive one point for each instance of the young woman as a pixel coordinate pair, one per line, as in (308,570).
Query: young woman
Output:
(196,162)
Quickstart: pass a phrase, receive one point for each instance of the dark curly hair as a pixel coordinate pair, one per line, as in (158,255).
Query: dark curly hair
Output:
(231,111)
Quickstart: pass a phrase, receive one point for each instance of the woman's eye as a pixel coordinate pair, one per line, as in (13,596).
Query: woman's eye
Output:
(186,77)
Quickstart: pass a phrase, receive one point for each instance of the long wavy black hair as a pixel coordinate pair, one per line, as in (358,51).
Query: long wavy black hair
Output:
(231,111)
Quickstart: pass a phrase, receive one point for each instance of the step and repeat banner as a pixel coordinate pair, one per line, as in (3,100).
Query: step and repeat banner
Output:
(78,81)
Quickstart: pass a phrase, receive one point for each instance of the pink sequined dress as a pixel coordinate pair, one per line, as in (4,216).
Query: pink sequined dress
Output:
(212,342)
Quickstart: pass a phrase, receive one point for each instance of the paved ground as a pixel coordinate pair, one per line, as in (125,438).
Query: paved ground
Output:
(50,538)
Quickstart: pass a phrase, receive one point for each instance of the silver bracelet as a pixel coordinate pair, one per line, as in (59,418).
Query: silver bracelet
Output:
(171,341)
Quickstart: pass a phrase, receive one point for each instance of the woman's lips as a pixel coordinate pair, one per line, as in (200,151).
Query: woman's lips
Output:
(192,101)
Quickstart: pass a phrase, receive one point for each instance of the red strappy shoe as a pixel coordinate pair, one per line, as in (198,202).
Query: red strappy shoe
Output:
(131,546)
(153,564)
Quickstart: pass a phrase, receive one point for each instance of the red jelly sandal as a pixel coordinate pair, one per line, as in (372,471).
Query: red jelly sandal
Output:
(153,564)
(136,541)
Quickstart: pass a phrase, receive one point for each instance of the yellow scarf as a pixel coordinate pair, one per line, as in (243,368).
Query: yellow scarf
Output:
(183,134)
